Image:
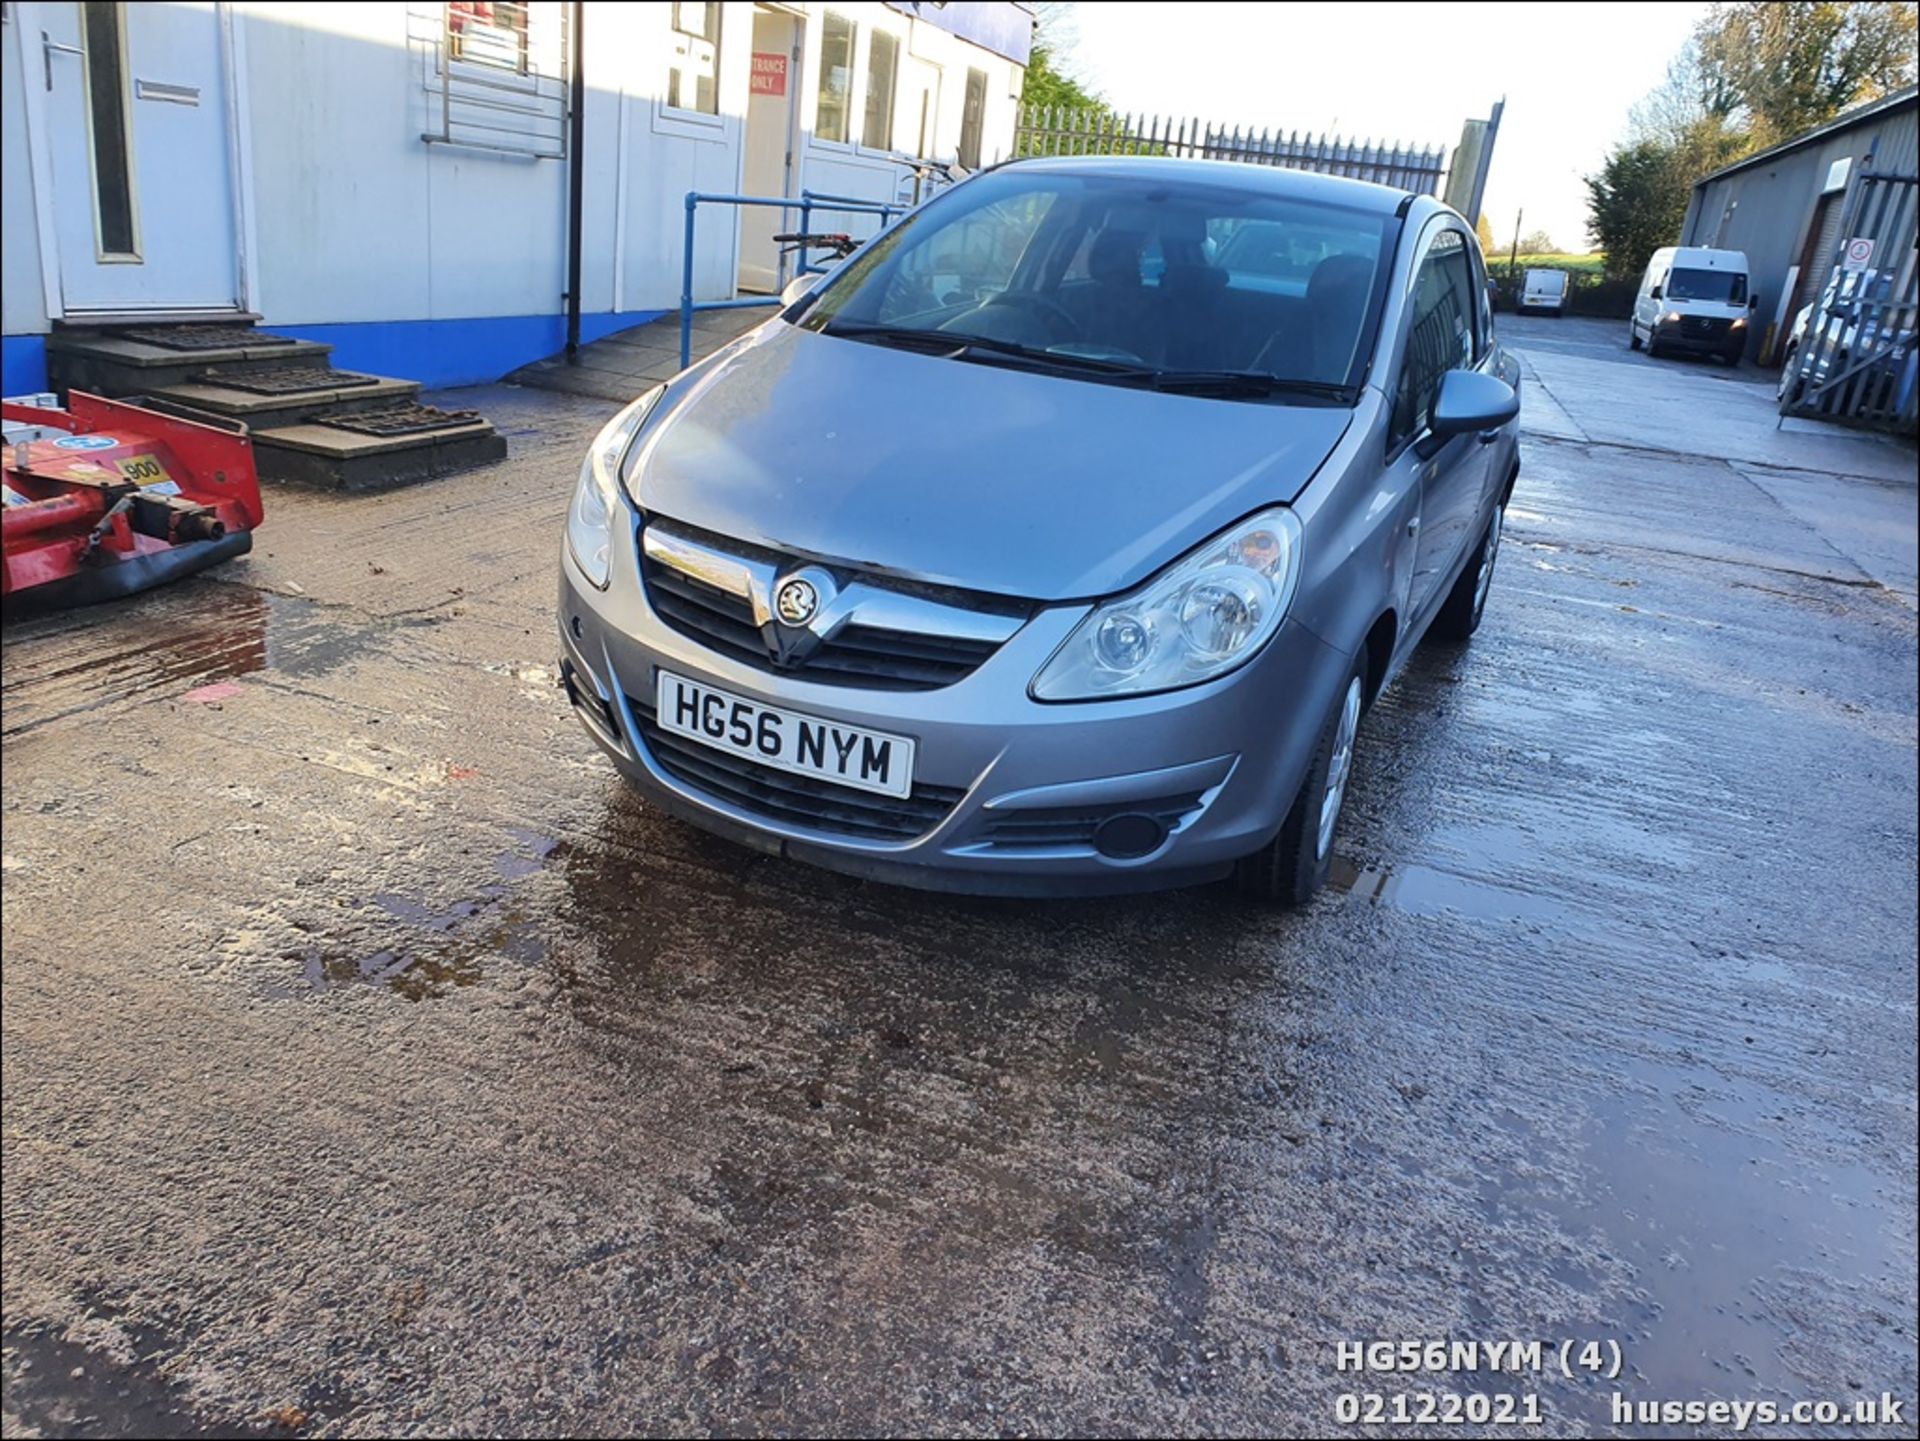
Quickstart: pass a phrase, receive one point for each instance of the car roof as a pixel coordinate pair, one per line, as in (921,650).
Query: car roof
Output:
(1255,179)
(1711,258)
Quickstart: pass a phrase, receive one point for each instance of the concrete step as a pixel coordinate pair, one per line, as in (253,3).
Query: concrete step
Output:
(322,455)
(113,365)
(273,410)
(293,439)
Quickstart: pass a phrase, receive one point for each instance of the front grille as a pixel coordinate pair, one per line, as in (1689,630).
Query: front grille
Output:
(788,798)
(1703,325)
(855,655)
(1075,825)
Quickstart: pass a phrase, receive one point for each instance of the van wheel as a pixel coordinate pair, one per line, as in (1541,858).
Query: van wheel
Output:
(1633,336)
(1460,616)
(1293,865)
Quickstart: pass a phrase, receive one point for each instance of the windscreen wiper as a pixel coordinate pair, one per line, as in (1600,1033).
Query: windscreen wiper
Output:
(959,343)
(1243,382)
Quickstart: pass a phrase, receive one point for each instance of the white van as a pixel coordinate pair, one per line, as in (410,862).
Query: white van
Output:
(1693,299)
(1544,290)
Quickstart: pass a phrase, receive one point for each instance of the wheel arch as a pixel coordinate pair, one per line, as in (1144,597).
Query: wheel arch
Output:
(1378,648)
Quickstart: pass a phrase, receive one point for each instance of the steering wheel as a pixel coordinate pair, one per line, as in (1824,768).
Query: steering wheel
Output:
(1027,300)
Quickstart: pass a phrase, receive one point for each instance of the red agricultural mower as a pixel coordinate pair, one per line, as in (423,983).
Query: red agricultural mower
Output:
(122,498)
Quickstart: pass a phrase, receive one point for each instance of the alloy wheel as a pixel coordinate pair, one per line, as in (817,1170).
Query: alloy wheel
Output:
(1339,768)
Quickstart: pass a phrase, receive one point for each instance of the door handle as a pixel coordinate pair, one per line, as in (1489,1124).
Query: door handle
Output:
(48,46)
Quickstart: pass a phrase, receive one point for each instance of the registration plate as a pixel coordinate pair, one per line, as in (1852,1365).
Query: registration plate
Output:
(866,760)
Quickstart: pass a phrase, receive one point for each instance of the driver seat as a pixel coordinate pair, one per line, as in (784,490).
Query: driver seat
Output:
(1120,312)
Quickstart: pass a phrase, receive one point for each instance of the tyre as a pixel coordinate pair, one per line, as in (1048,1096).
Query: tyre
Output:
(1787,389)
(1633,336)
(1294,864)
(1460,616)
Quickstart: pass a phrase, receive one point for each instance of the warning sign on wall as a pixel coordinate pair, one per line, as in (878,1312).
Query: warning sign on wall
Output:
(769,73)
(1858,255)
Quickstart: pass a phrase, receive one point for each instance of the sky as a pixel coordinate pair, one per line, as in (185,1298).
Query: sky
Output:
(1409,73)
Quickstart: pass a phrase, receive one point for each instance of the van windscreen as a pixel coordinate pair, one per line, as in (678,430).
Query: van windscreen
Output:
(1729,286)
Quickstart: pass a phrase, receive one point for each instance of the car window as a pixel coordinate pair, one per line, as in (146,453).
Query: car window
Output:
(1729,286)
(1483,306)
(1271,250)
(1439,333)
(967,262)
(1139,271)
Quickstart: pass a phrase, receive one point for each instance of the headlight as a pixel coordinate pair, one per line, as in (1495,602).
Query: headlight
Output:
(596,499)
(1739,324)
(1203,615)
(1672,317)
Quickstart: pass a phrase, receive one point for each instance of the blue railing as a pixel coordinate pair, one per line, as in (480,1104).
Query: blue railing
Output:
(806,202)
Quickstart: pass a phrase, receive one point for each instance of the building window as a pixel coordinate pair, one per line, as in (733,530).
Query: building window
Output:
(883,66)
(104,37)
(836,78)
(973,118)
(488,34)
(693,82)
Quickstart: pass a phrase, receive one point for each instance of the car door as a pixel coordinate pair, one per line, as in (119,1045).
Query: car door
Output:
(1646,305)
(1450,476)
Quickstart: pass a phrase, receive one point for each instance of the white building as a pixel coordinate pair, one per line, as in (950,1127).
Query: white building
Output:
(393,177)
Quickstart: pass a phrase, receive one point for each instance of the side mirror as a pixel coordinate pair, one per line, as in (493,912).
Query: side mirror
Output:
(1468,400)
(1753,302)
(797,287)
(1655,292)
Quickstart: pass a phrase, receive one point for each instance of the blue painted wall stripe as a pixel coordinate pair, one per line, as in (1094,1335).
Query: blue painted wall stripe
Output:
(434,352)
(23,364)
(456,352)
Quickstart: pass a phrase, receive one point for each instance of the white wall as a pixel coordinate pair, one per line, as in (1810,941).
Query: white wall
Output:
(23,309)
(353,218)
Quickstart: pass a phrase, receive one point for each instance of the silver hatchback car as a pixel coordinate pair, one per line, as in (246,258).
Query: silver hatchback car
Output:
(1056,542)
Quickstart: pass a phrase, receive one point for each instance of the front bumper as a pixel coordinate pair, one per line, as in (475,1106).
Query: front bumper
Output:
(1721,342)
(1220,764)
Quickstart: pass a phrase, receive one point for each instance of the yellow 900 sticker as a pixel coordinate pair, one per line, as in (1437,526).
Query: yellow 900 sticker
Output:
(144,470)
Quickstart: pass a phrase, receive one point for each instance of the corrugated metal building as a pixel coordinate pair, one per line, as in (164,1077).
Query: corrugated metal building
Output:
(1783,206)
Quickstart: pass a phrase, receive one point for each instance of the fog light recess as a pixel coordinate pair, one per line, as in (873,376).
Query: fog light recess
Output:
(1126,837)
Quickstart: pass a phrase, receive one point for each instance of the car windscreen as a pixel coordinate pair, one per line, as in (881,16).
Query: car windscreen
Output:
(1729,286)
(1144,275)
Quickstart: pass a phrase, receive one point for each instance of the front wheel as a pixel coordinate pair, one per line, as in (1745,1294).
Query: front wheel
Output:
(1466,603)
(1787,389)
(1633,336)
(1294,864)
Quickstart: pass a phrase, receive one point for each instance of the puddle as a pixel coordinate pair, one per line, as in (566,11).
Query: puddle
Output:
(57,1387)
(1425,891)
(192,641)
(435,949)
(1729,1238)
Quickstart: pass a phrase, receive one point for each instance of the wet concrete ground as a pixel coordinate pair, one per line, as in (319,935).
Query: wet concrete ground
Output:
(376,1064)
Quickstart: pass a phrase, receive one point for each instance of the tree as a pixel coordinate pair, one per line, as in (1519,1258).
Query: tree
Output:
(1538,242)
(1049,78)
(1790,67)
(1635,205)
(1485,231)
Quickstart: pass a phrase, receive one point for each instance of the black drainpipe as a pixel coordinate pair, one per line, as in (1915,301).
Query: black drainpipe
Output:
(576,168)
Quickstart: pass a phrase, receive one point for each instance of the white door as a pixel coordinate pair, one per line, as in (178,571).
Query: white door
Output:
(136,115)
(918,128)
(767,166)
